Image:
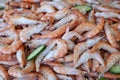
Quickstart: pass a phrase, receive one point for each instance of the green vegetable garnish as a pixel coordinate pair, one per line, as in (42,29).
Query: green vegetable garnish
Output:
(84,8)
(1,8)
(115,69)
(102,78)
(36,52)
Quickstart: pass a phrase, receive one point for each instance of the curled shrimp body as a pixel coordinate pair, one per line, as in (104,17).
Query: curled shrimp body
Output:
(16,71)
(81,47)
(111,60)
(10,49)
(110,36)
(95,31)
(75,2)
(58,32)
(4,73)
(18,20)
(32,1)
(63,21)
(68,35)
(48,73)
(27,32)
(104,45)
(67,70)
(87,55)
(60,51)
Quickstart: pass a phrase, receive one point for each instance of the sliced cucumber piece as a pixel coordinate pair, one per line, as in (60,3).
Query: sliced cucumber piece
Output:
(115,69)
(84,8)
(102,78)
(36,52)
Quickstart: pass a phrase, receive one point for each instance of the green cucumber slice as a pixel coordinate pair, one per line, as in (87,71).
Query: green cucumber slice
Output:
(84,8)
(115,69)
(36,52)
(102,78)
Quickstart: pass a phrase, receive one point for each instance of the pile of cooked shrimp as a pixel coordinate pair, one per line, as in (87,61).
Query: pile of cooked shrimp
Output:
(81,43)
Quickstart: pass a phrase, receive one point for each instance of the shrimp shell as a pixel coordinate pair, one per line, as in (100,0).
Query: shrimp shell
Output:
(95,31)
(110,36)
(58,32)
(111,60)
(48,73)
(27,32)
(11,49)
(60,51)
(19,20)
(67,70)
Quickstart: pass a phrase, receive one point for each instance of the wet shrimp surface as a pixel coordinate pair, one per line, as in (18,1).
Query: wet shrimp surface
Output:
(59,39)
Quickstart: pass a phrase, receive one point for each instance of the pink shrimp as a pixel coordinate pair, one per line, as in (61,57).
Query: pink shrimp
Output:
(16,71)
(75,2)
(87,55)
(10,63)
(95,31)
(110,36)
(57,15)
(64,77)
(68,35)
(108,15)
(60,50)
(67,58)
(11,49)
(18,20)
(20,55)
(58,32)
(57,4)
(4,73)
(106,9)
(48,73)
(46,8)
(91,17)
(27,32)
(67,70)
(104,45)
(81,47)
(7,57)
(64,20)
(111,60)
(33,1)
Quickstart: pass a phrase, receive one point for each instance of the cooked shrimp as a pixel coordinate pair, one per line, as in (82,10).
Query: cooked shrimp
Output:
(58,32)
(80,77)
(75,2)
(111,76)
(87,55)
(68,35)
(11,49)
(107,15)
(67,58)
(7,57)
(27,32)
(5,40)
(96,64)
(106,9)
(112,59)
(37,42)
(91,17)
(4,73)
(81,47)
(92,1)
(64,21)
(18,20)
(16,71)
(22,4)
(110,36)
(46,8)
(64,77)
(53,64)
(20,55)
(95,31)
(10,63)
(60,50)
(104,45)
(57,4)
(67,70)
(32,1)
(87,26)
(48,73)
(57,15)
